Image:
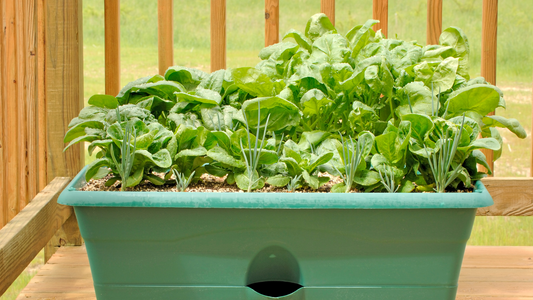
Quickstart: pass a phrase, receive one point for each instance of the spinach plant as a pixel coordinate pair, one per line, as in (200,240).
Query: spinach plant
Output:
(251,157)
(414,118)
(182,182)
(125,165)
(441,160)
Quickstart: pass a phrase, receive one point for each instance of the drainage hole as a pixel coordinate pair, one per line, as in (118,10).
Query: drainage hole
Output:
(275,288)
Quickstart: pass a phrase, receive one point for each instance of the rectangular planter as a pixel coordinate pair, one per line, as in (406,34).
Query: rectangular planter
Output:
(162,245)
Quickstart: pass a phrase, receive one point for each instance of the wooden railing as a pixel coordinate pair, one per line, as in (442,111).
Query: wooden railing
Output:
(26,234)
(41,92)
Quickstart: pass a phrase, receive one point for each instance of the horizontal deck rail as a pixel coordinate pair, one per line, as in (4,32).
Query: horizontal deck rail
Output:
(26,234)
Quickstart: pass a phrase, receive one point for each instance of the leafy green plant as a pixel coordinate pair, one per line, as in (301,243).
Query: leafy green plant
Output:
(441,160)
(251,158)
(182,182)
(352,157)
(293,184)
(388,180)
(127,153)
(396,101)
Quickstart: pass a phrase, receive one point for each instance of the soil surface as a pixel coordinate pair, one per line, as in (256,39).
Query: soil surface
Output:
(207,183)
(212,184)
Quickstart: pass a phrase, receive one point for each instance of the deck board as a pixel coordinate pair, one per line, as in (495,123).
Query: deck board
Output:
(488,273)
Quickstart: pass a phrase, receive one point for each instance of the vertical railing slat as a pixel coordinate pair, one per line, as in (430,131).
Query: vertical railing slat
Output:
(218,35)
(328,7)
(3,203)
(112,46)
(30,33)
(41,98)
(21,128)
(271,22)
(380,11)
(11,191)
(489,35)
(165,37)
(434,22)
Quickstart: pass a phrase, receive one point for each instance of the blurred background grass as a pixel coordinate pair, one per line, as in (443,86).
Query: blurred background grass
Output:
(245,37)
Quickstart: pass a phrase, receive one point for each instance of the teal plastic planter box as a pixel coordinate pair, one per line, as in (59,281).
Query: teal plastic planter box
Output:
(251,246)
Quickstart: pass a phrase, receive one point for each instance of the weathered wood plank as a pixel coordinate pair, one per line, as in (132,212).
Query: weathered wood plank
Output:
(380,12)
(41,97)
(496,275)
(26,234)
(499,251)
(271,22)
(218,35)
(165,37)
(434,22)
(61,296)
(112,46)
(11,143)
(513,196)
(489,45)
(3,203)
(21,129)
(499,257)
(499,289)
(63,86)
(328,7)
(470,297)
(30,33)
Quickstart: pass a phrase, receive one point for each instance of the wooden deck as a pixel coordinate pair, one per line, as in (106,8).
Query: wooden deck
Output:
(491,273)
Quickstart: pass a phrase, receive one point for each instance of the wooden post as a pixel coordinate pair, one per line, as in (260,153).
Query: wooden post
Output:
(489,35)
(112,46)
(68,235)
(165,37)
(434,22)
(271,22)
(63,85)
(218,35)
(380,11)
(328,7)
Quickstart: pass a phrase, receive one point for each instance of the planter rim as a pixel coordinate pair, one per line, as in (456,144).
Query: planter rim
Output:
(480,197)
